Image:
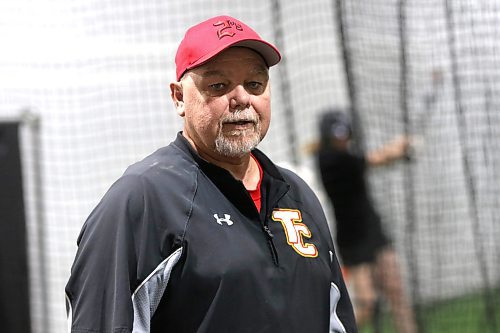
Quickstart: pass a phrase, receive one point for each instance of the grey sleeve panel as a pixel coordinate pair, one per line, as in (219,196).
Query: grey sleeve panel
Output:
(147,296)
(69,312)
(336,325)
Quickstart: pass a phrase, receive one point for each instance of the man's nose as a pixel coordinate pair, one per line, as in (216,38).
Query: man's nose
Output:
(240,98)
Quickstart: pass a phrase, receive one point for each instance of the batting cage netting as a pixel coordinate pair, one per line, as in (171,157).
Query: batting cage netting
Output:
(89,81)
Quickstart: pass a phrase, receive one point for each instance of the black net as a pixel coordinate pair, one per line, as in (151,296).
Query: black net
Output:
(430,69)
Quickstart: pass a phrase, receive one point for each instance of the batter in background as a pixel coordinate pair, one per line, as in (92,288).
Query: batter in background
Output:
(368,258)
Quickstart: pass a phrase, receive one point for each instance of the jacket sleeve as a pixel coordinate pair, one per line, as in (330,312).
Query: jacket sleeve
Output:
(342,314)
(104,273)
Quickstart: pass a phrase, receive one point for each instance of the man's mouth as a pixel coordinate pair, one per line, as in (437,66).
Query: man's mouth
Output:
(239,126)
(241,122)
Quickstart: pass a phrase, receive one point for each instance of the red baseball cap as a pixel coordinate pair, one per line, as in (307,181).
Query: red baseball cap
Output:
(205,40)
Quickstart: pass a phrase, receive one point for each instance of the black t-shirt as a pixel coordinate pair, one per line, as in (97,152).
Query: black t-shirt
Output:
(343,177)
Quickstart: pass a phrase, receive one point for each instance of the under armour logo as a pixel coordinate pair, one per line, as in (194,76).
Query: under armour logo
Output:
(226,219)
(226,29)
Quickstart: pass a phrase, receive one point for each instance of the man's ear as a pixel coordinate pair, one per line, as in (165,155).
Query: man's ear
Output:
(177,97)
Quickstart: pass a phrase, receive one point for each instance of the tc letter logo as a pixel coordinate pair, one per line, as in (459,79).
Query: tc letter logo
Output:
(295,231)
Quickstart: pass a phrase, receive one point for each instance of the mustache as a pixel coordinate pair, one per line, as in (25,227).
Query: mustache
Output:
(241,116)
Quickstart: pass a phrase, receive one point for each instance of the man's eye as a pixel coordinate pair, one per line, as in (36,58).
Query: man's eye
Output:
(255,86)
(217,86)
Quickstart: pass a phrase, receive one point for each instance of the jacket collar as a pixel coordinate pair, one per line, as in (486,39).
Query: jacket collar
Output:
(273,186)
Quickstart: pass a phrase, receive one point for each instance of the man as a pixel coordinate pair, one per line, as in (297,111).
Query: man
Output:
(207,234)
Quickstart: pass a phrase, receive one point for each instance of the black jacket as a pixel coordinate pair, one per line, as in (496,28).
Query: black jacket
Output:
(177,245)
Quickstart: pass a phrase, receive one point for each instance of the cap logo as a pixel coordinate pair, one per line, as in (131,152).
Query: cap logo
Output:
(226,28)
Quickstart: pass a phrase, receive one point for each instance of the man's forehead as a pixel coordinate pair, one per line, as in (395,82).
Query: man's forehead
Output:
(234,58)
(250,70)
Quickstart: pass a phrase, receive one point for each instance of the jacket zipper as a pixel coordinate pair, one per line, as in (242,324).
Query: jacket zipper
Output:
(272,247)
(267,230)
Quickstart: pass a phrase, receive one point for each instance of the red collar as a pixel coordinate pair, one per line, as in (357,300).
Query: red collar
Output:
(255,194)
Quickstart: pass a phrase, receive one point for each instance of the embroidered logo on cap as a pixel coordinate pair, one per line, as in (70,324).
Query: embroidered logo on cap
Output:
(227,28)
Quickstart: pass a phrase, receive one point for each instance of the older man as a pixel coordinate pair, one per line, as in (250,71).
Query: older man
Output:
(207,234)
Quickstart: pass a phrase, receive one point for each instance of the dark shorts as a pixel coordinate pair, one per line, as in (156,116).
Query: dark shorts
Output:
(364,249)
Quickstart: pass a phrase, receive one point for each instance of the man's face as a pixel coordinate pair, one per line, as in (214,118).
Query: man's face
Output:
(226,104)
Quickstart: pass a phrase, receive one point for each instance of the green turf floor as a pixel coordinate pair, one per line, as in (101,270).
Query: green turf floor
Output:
(467,314)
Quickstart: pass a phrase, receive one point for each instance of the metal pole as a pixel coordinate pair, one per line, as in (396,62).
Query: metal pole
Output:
(408,182)
(358,135)
(286,94)
(32,120)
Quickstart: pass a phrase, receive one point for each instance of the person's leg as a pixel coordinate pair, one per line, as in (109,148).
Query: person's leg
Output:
(388,274)
(361,282)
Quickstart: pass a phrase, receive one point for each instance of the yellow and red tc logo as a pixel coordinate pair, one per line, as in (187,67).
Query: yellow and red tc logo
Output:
(295,231)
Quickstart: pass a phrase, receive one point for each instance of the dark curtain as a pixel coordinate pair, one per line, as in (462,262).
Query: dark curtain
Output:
(14,291)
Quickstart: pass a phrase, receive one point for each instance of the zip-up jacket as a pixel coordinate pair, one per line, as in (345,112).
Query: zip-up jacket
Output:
(177,245)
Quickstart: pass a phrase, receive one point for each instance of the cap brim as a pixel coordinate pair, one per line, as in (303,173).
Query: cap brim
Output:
(270,54)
